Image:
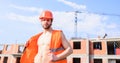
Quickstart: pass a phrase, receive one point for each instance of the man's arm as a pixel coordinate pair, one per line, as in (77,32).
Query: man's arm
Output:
(67,52)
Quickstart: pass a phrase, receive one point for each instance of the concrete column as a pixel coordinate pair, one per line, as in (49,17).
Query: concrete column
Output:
(87,50)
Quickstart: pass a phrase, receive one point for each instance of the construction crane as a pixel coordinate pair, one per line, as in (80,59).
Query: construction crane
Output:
(76,19)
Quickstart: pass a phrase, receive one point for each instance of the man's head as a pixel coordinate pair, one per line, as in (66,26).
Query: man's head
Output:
(46,18)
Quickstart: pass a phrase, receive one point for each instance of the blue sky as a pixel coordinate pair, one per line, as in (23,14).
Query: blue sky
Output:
(19,18)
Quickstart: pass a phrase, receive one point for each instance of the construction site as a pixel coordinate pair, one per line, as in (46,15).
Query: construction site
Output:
(96,50)
(92,28)
(85,50)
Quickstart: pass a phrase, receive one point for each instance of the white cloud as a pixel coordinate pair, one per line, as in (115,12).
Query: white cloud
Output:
(113,25)
(90,21)
(0,31)
(33,9)
(73,5)
(91,24)
(63,20)
(17,17)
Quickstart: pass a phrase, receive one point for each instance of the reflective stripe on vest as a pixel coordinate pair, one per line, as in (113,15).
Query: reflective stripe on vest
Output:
(56,49)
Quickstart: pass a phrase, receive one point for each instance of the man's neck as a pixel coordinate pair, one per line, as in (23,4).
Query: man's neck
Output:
(47,30)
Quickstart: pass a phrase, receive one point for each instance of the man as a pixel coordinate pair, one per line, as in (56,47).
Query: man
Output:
(50,46)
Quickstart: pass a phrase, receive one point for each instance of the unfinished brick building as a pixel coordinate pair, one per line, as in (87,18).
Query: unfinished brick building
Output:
(96,50)
(10,53)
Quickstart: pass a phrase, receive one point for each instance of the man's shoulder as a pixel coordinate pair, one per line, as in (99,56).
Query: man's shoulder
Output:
(57,30)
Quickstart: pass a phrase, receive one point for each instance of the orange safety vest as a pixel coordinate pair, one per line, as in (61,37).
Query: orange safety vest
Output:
(31,47)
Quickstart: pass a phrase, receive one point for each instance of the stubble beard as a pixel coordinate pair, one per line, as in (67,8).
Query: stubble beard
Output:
(47,27)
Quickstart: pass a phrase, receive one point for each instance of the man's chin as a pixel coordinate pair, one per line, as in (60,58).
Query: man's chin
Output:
(46,28)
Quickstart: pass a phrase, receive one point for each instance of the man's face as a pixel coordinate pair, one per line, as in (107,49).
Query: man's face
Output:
(46,23)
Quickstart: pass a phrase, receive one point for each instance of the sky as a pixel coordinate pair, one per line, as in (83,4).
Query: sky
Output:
(19,19)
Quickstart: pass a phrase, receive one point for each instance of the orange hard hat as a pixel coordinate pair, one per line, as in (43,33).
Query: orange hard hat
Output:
(46,14)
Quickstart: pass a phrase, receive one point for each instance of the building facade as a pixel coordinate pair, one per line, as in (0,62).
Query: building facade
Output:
(96,50)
